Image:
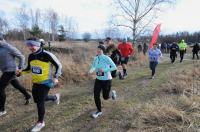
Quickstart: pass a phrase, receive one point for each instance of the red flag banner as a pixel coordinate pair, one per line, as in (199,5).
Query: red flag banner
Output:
(155,35)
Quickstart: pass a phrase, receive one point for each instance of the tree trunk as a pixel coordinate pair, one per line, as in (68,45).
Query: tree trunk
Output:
(24,35)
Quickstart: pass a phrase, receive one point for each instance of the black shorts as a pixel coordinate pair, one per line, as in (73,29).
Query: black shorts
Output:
(124,60)
(39,92)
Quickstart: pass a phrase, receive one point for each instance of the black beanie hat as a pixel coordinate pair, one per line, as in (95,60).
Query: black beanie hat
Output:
(108,39)
(102,48)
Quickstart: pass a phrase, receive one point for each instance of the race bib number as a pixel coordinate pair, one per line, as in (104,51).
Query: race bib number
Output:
(36,70)
(100,73)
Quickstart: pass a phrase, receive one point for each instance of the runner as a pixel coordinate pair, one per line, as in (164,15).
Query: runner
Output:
(145,48)
(113,53)
(102,65)
(195,50)
(8,67)
(173,50)
(182,49)
(154,55)
(40,64)
(126,51)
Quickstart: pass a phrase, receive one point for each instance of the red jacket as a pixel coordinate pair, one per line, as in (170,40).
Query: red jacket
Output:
(125,49)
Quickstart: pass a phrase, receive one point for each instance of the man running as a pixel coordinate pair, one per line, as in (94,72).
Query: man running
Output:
(154,55)
(195,50)
(40,64)
(103,66)
(126,51)
(173,50)
(113,53)
(182,49)
(8,67)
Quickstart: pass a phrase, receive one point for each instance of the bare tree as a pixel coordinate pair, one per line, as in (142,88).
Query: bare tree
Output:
(35,17)
(71,27)
(112,32)
(23,20)
(4,26)
(137,15)
(52,21)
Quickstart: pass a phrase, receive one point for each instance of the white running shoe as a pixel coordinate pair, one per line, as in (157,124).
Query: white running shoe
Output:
(2,113)
(96,114)
(153,77)
(38,127)
(57,98)
(114,95)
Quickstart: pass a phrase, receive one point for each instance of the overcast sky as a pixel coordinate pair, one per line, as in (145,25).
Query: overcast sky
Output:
(93,14)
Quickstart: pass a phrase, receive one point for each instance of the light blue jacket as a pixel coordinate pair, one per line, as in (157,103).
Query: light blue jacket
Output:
(106,64)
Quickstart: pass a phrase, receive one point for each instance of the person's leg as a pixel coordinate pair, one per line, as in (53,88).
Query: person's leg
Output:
(151,67)
(39,94)
(97,91)
(114,73)
(154,68)
(173,58)
(51,98)
(193,54)
(124,68)
(4,81)
(106,89)
(197,56)
(125,65)
(181,55)
(15,83)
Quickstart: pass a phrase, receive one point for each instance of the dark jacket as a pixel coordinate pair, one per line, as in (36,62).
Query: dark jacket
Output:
(114,53)
(174,48)
(196,48)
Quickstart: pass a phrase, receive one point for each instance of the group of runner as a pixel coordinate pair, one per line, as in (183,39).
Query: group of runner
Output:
(41,62)
(40,65)
(182,48)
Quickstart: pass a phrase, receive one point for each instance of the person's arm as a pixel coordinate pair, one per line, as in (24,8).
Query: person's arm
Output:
(56,63)
(28,68)
(111,64)
(160,54)
(16,53)
(92,67)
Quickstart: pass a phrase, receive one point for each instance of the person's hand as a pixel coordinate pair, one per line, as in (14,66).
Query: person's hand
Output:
(55,81)
(101,70)
(18,72)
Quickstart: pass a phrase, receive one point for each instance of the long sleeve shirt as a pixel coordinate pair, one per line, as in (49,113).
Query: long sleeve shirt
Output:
(104,63)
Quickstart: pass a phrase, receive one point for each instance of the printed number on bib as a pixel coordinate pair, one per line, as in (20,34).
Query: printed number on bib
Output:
(36,70)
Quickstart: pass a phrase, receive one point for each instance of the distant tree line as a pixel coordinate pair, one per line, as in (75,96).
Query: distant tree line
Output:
(190,38)
(40,23)
(177,37)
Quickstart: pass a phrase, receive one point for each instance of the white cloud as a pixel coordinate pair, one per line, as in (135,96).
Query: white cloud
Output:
(93,14)
(184,17)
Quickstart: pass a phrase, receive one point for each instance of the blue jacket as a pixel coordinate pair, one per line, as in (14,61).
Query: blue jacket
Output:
(106,64)
(154,55)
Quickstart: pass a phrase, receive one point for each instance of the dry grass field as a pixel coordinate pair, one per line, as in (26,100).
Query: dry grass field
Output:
(169,103)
